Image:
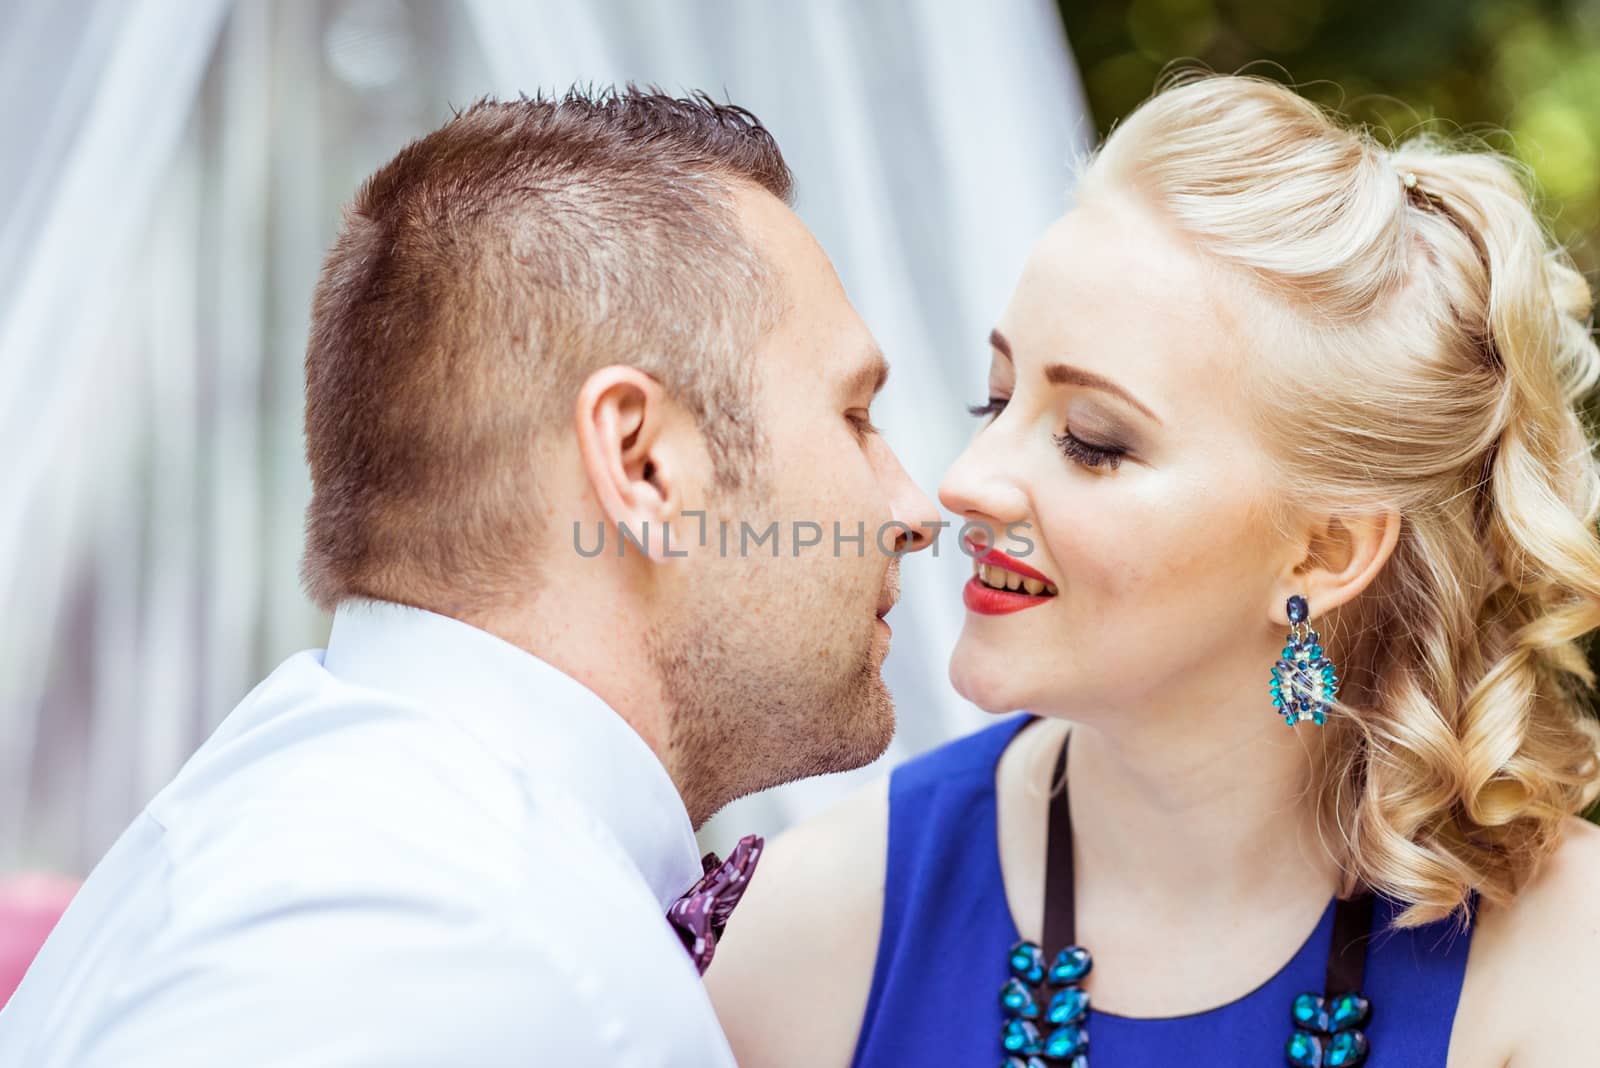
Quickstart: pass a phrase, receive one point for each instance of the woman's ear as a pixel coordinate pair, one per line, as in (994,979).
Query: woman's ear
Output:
(624,421)
(1343,554)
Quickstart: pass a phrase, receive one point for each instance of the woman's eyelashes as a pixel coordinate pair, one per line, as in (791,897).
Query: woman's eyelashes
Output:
(1089,455)
(1072,447)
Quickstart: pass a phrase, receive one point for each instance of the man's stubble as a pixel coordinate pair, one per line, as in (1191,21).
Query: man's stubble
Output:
(753,704)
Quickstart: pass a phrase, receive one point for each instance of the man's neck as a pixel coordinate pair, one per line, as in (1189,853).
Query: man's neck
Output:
(597,649)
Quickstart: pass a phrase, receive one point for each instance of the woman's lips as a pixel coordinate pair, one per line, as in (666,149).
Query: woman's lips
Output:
(996,558)
(988,601)
(985,598)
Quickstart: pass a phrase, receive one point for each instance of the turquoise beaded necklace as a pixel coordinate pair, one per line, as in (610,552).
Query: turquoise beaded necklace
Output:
(1040,1031)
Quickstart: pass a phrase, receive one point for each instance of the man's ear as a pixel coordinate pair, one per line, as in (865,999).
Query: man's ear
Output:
(623,420)
(1343,554)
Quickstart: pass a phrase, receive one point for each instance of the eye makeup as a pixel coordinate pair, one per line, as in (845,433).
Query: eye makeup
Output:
(1088,452)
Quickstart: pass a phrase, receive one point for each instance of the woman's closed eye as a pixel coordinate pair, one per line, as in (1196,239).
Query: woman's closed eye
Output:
(1086,453)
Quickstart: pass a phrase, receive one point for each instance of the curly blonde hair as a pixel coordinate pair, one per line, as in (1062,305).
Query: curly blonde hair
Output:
(1425,347)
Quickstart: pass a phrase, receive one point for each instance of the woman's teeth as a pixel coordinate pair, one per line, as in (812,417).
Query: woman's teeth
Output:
(1000,579)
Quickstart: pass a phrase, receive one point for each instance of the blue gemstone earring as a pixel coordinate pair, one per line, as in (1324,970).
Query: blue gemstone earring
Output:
(1304,679)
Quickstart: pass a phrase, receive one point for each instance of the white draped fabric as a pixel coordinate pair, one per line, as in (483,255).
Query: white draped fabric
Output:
(173,175)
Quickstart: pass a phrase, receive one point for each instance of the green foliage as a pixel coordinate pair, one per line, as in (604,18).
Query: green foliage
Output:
(1522,75)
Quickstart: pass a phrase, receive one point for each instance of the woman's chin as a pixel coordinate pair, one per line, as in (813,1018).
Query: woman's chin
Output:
(983,682)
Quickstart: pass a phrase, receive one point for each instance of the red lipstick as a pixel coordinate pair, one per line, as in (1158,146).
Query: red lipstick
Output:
(988,601)
(996,558)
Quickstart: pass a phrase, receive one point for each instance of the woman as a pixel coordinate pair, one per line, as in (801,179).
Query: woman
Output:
(1267,377)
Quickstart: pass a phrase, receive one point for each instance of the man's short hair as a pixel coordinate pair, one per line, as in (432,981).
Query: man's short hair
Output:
(480,276)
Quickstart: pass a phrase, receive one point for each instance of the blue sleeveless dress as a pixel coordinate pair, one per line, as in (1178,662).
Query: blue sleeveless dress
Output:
(947,926)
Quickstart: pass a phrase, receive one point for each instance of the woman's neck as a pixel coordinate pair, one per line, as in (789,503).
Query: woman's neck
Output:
(1197,867)
(1212,810)
(1204,816)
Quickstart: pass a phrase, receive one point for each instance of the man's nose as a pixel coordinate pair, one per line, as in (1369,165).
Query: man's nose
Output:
(913,509)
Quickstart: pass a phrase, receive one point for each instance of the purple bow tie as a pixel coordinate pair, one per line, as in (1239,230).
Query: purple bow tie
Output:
(702,913)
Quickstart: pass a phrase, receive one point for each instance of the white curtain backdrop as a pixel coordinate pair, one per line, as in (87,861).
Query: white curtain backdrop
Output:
(98,94)
(173,175)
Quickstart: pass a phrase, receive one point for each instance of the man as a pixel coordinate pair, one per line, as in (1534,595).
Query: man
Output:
(451,838)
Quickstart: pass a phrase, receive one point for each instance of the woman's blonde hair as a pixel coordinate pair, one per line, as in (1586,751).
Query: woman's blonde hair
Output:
(1423,347)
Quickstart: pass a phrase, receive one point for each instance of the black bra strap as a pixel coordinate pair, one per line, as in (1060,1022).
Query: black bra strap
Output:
(1347,954)
(1352,917)
(1060,904)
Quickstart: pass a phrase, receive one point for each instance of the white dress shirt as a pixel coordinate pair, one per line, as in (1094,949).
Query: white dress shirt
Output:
(419,847)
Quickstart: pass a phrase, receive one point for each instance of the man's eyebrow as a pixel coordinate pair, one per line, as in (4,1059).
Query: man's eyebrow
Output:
(872,374)
(1065,374)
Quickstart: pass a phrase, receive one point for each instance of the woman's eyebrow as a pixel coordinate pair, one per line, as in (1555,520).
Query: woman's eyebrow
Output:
(1065,374)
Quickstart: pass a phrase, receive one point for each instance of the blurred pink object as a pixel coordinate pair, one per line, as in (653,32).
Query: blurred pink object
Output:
(30,905)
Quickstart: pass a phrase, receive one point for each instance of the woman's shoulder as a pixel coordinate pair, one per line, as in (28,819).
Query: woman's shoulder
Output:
(792,973)
(1535,961)
(1569,876)
(1556,914)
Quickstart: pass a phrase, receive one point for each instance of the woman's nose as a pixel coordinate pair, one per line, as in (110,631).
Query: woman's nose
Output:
(977,487)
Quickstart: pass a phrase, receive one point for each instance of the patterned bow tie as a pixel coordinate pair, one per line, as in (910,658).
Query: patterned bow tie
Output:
(702,913)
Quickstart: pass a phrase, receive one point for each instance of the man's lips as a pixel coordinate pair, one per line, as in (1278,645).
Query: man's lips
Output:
(890,594)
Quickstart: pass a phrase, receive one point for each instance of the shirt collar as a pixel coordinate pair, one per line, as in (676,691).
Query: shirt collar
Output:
(539,718)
